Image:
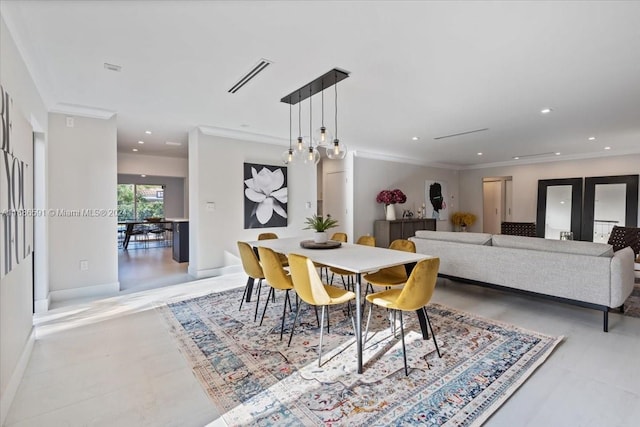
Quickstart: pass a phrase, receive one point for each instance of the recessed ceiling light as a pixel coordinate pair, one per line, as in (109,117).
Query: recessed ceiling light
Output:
(140,142)
(143,176)
(173,143)
(415,138)
(135,149)
(148,132)
(516,158)
(479,154)
(562,202)
(557,154)
(607,148)
(592,138)
(546,110)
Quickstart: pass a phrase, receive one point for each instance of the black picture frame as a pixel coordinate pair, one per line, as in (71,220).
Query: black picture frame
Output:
(576,204)
(265,196)
(631,209)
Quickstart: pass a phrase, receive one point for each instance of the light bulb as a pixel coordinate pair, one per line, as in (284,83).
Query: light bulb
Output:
(287,156)
(301,145)
(323,136)
(312,157)
(338,151)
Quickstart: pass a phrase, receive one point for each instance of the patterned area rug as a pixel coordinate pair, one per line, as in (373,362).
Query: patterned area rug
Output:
(255,379)
(632,304)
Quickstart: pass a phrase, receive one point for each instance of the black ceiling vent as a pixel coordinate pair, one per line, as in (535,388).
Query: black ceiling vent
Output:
(259,67)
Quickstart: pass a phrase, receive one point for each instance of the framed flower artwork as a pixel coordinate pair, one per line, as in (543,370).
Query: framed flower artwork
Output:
(265,196)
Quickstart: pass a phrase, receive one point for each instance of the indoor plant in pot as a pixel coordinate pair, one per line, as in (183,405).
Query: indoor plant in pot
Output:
(320,225)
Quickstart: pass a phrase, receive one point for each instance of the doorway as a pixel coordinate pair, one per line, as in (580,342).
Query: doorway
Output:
(497,196)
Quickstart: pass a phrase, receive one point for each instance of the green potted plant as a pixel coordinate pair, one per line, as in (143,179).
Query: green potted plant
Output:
(320,225)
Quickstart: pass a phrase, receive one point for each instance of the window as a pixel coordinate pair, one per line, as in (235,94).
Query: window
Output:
(140,201)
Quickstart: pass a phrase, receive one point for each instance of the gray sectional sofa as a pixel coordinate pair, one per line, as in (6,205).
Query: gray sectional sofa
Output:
(582,273)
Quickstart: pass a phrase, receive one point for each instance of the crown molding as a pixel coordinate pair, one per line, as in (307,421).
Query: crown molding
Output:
(82,111)
(561,158)
(405,160)
(242,135)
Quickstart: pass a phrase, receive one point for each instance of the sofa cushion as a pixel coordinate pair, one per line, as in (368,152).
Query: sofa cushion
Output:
(457,237)
(564,246)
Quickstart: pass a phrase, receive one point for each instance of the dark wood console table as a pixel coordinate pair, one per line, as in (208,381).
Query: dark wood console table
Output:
(386,232)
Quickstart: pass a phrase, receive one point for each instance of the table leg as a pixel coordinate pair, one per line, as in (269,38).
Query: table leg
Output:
(250,283)
(423,324)
(127,236)
(359,321)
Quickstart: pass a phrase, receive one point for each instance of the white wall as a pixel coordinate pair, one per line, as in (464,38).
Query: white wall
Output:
(525,181)
(16,296)
(136,164)
(373,175)
(82,175)
(216,175)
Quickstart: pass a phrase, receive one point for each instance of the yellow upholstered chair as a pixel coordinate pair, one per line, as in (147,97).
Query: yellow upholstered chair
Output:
(311,290)
(277,278)
(339,237)
(253,269)
(268,236)
(392,276)
(363,240)
(415,295)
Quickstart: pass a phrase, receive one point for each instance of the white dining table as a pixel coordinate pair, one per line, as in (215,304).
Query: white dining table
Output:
(359,259)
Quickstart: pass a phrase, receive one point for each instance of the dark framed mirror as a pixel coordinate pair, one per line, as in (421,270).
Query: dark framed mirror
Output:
(559,208)
(609,201)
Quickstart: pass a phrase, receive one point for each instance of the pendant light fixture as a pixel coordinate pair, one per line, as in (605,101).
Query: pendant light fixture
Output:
(337,151)
(287,156)
(322,135)
(313,156)
(307,152)
(300,146)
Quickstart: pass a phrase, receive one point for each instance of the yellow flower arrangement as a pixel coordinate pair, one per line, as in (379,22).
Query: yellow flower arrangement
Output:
(463,219)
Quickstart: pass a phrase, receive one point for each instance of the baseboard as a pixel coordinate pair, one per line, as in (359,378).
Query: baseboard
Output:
(14,382)
(214,272)
(107,289)
(42,305)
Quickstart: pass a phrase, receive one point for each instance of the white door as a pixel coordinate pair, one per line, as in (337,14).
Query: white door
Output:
(492,206)
(508,198)
(334,200)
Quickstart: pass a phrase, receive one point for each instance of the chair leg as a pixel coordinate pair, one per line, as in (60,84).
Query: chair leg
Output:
(327,317)
(404,350)
(266,304)
(315,307)
(284,311)
(294,324)
(366,330)
(321,329)
(244,294)
(255,315)
(433,335)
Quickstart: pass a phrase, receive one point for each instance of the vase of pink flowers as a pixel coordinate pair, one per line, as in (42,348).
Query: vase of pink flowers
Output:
(390,198)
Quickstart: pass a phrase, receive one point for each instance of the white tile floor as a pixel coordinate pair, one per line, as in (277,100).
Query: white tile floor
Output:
(112,362)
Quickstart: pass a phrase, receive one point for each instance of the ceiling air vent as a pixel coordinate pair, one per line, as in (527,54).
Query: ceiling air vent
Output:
(259,67)
(461,133)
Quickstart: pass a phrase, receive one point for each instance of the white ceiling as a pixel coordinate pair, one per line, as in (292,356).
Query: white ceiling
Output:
(422,69)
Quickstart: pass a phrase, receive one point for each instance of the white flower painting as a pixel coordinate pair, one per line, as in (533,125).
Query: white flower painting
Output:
(266,196)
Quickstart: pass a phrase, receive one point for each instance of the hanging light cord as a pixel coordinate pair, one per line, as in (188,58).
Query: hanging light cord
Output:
(289,127)
(336,99)
(299,119)
(310,120)
(322,94)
